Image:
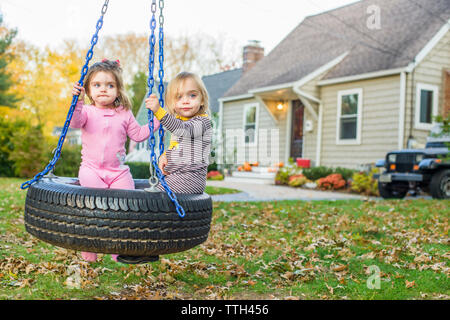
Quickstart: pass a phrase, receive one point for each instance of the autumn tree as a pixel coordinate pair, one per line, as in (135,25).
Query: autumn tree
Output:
(45,78)
(6,37)
(130,48)
(199,53)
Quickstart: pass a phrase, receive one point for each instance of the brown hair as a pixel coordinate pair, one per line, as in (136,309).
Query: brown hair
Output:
(174,87)
(114,68)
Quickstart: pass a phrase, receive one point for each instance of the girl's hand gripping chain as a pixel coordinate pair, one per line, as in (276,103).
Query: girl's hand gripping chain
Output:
(78,91)
(162,163)
(152,103)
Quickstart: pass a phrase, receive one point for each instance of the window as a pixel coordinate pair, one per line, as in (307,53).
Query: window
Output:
(250,125)
(348,126)
(426,105)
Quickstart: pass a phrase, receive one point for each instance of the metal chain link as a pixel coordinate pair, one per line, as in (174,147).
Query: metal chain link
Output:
(151,83)
(84,70)
(161,72)
(153,180)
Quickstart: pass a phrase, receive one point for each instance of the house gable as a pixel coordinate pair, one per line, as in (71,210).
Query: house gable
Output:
(429,73)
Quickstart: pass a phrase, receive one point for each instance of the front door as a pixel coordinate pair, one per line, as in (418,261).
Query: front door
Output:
(297,129)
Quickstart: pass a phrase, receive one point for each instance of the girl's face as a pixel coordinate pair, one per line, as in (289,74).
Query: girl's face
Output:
(188,99)
(103,89)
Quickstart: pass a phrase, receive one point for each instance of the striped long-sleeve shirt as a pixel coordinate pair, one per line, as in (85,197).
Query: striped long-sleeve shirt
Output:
(188,152)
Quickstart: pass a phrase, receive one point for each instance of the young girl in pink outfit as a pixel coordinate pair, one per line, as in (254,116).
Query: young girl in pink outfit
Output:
(105,125)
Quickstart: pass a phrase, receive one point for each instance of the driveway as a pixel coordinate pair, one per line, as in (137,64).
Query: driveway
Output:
(254,191)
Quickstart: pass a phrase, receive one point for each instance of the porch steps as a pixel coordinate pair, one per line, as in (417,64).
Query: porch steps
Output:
(258,175)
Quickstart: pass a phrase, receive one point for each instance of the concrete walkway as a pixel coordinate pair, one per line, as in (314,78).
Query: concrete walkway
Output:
(257,191)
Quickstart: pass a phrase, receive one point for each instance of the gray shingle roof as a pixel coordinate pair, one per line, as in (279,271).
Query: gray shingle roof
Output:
(406,27)
(217,84)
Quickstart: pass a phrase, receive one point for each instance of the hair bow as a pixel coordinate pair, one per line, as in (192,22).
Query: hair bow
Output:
(117,61)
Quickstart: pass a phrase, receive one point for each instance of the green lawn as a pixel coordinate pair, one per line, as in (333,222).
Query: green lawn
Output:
(217,190)
(265,250)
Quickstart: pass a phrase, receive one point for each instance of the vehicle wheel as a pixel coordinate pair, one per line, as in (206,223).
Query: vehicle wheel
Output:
(392,191)
(440,185)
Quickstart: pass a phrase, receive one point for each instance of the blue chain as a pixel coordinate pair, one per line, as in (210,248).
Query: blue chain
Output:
(151,82)
(84,70)
(161,72)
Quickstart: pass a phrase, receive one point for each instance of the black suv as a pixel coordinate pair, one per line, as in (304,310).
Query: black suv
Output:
(417,170)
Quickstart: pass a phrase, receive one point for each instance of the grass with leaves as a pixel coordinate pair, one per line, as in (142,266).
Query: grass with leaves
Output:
(261,250)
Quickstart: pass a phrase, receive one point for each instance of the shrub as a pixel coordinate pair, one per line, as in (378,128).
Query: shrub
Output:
(139,170)
(7,129)
(283,174)
(29,151)
(331,182)
(297,180)
(214,175)
(316,173)
(212,167)
(345,173)
(69,162)
(365,183)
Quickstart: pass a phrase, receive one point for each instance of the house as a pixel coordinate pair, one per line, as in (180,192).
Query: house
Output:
(73,136)
(344,87)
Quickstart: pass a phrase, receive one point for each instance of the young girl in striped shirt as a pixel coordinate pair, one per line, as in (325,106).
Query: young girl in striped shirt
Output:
(186,160)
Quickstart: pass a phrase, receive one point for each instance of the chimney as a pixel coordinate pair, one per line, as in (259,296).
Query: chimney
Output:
(253,52)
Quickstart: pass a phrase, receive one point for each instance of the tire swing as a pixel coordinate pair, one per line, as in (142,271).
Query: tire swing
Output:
(140,222)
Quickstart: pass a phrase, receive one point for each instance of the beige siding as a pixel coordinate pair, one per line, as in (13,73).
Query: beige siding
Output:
(429,71)
(233,118)
(379,123)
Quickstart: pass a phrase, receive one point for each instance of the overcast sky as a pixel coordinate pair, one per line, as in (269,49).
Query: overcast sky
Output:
(48,22)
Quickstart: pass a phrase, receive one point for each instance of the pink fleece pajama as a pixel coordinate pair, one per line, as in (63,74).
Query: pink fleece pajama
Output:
(103,134)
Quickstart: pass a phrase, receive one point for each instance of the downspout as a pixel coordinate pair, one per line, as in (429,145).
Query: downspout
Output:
(220,139)
(411,122)
(401,116)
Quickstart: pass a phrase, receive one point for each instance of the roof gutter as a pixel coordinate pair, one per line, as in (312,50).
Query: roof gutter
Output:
(362,76)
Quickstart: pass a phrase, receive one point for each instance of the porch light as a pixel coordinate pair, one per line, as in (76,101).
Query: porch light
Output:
(280,106)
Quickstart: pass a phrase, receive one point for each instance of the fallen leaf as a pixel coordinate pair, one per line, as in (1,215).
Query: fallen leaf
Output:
(339,268)
(409,284)
(329,288)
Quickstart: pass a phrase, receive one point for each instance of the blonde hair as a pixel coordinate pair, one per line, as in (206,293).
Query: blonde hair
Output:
(173,90)
(114,68)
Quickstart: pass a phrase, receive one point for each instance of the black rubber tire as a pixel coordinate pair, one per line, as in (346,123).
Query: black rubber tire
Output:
(128,222)
(389,191)
(439,184)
